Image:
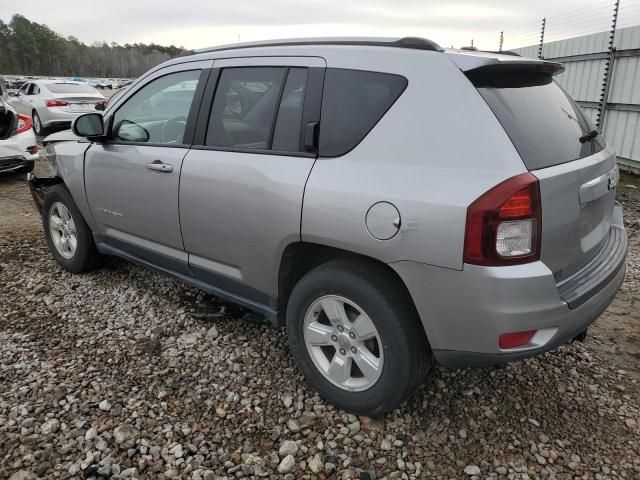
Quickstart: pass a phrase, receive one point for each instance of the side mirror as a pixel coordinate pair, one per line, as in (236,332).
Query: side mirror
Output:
(14,94)
(131,132)
(88,125)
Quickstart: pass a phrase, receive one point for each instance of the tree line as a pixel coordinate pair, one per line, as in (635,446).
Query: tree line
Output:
(29,48)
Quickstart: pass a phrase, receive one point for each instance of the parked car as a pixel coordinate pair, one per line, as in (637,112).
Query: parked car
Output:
(13,82)
(389,202)
(18,148)
(109,83)
(55,103)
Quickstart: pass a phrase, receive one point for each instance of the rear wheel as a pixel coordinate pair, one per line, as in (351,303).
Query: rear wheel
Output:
(356,337)
(38,128)
(68,236)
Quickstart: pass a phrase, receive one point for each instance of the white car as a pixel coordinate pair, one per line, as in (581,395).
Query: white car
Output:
(54,104)
(18,149)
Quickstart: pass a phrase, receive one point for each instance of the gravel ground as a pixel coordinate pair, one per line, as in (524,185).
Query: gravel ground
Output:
(123,373)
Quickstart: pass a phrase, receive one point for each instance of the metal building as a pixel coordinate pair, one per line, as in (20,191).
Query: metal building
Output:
(585,59)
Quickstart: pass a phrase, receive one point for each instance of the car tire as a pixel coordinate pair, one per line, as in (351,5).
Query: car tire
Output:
(39,130)
(59,206)
(399,347)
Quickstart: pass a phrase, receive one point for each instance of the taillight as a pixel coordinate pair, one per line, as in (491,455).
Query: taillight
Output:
(56,103)
(24,124)
(504,225)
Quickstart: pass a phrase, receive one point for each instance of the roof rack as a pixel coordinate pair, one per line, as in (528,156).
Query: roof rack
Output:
(415,43)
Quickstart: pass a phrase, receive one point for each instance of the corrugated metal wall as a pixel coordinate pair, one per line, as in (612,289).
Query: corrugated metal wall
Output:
(583,79)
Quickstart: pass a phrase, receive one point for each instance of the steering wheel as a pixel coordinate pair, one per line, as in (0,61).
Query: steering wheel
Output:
(173,129)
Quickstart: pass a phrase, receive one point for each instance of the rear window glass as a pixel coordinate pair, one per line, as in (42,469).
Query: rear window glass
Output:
(69,88)
(353,102)
(543,122)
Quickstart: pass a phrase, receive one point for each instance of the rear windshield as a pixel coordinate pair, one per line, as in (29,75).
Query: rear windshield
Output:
(69,88)
(543,122)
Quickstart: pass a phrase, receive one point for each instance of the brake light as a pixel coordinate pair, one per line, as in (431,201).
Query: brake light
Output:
(504,225)
(24,124)
(56,103)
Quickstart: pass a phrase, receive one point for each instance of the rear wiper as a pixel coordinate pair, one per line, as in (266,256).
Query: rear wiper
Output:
(589,136)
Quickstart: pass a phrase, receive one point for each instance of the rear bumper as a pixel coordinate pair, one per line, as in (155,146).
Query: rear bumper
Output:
(57,118)
(465,312)
(13,164)
(15,152)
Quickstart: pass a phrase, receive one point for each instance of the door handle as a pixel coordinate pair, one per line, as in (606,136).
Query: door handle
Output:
(158,166)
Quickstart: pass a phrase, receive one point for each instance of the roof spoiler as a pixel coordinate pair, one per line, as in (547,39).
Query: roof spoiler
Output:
(514,74)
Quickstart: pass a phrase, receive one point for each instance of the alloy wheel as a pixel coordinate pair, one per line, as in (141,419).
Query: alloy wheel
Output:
(343,343)
(63,230)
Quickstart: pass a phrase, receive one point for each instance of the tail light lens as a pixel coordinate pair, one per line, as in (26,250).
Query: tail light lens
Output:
(504,225)
(56,103)
(24,124)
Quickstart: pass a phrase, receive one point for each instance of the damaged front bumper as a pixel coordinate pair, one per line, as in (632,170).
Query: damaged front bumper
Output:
(39,186)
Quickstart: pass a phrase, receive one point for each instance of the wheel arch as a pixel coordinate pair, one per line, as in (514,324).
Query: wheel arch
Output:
(299,258)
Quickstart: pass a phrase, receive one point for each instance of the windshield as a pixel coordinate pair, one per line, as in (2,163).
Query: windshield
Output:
(545,125)
(70,88)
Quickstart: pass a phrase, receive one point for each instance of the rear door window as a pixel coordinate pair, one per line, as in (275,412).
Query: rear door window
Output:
(244,107)
(543,122)
(286,137)
(352,103)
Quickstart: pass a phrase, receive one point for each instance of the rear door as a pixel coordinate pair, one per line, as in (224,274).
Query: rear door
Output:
(132,179)
(559,144)
(242,182)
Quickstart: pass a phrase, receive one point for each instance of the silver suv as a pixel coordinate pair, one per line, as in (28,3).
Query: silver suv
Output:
(388,201)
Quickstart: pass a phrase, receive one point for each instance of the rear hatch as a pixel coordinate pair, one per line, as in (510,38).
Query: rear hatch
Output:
(561,147)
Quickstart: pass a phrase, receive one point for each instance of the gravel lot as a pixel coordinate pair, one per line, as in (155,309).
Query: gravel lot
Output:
(123,373)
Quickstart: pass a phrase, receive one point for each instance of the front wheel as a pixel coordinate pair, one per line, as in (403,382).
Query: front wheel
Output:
(356,337)
(68,236)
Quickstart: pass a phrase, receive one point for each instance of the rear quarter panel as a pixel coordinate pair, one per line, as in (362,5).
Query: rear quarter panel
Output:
(436,150)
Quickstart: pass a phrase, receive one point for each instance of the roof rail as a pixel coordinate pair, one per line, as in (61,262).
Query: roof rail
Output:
(415,43)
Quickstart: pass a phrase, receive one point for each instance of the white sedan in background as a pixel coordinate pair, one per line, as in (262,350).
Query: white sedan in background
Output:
(18,148)
(55,103)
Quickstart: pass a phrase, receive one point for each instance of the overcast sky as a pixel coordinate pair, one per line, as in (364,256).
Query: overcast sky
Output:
(202,23)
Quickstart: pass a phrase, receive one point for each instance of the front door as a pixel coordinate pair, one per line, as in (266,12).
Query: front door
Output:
(243,181)
(132,179)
